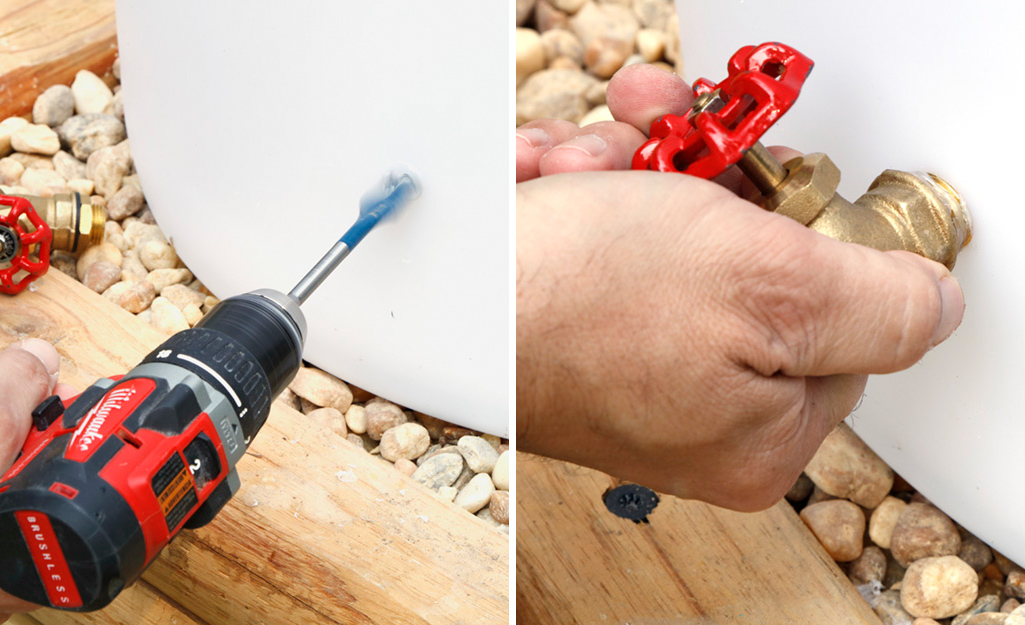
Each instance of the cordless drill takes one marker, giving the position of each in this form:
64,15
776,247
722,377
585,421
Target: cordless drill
103,483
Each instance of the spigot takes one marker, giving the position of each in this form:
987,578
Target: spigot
31,227
917,212
76,224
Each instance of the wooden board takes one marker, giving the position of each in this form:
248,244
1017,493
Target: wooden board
576,562
45,42
141,605
320,532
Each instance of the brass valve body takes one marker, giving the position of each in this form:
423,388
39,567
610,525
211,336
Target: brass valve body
919,213
76,225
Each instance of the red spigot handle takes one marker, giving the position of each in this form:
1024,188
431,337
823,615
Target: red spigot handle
762,84
24,248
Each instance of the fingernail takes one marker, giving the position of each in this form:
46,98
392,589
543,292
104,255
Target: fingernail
592,145
45,353
953,309
534,137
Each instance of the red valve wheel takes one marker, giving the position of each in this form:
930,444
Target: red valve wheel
24,244
730,117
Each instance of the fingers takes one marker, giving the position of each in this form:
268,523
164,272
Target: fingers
10,605
602,146
636,96
783,153
546,147
534,139
28,372
827,307
640,94
65,391
28,375
45,352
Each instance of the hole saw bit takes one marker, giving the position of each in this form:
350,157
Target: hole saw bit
107,479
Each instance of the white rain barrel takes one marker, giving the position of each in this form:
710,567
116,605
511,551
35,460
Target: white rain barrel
257,126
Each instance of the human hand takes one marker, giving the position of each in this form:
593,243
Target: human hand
28,375
637,95
671,333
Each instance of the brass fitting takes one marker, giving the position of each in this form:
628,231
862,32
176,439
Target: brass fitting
75,224
919,213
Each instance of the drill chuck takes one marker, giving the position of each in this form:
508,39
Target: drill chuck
249,347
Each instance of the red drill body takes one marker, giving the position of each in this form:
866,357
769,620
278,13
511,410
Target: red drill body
103,484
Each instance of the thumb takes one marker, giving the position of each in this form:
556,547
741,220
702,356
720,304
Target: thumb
870,311
28,370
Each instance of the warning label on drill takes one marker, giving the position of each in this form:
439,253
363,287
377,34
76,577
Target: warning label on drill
175,491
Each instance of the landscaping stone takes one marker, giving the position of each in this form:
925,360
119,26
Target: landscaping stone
884,519
499,506
54,106
322,389
938,587
476,493
479,455
382,415
85,134
838,525
407,441
356,418
500,474
329,419
845,467
90,93
923,531
36,139
440,470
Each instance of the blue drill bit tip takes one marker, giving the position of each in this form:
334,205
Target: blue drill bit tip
385,199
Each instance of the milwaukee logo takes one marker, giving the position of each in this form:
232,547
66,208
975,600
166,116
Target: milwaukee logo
91,429
106,416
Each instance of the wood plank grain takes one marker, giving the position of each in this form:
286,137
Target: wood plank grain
321,531
46,42
576,562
